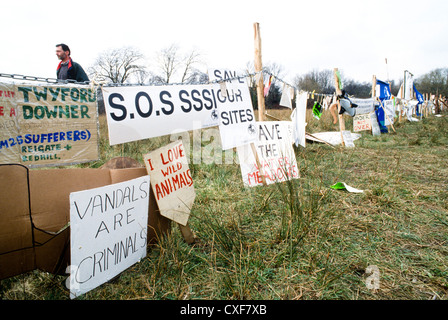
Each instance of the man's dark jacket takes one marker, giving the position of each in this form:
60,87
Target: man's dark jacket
74,72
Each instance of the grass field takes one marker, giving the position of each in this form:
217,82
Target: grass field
299,239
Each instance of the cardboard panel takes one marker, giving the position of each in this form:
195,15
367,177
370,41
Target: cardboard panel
16,238
32,234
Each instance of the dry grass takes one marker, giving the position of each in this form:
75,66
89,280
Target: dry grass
301,239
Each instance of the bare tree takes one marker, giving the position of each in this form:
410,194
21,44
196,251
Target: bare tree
190,60
320,81
172,62
118,65
435,82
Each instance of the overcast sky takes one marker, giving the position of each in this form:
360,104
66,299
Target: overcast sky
354,36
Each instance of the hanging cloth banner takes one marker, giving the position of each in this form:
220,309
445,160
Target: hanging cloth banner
382,93
364,106
267,87
317,110
409,84
420,100
42,125
298,118
286,98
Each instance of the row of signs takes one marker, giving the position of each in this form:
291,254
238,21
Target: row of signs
109,224
42,125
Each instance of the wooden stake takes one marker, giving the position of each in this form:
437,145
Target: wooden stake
257,160
340,116
187,234
260,92
258,68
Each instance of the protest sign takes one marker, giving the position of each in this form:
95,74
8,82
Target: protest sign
362,122
389,109
108,232
364,105
237,124
141,112
276,158
220,74
171,181
236,120
48,124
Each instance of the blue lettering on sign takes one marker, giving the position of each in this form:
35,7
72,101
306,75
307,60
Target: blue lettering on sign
75,135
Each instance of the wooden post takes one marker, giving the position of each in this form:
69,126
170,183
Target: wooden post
258,68
340,116
260,93
187,234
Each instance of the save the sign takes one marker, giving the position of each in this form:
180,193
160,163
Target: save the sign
276,157
171,181
236,120
108,232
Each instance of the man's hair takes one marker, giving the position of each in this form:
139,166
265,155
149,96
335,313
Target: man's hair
64,47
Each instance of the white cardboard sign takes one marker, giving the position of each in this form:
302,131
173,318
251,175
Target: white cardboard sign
236,119
275,153
108,232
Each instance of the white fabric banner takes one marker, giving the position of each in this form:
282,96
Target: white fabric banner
298,118
141,112
365,106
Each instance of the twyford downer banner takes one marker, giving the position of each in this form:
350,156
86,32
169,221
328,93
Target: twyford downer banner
108,232
276,158
47,124
171,181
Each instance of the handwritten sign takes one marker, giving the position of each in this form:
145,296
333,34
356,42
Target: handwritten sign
276,157
108,232
171,181
236,119
362,122
48,125
389,109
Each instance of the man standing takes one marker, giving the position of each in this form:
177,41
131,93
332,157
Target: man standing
67,68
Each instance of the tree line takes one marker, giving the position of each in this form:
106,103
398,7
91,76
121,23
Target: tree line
173,65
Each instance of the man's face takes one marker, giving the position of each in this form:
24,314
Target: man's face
62,55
